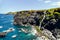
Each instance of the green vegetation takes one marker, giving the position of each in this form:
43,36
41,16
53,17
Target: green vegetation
13,13
41,19
53,13
37,28
50,12
40,31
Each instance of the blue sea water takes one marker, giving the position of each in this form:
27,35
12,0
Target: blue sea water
6,21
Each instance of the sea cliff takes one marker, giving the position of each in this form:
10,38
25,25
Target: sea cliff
44,19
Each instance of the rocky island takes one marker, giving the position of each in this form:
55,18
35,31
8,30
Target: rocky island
45,22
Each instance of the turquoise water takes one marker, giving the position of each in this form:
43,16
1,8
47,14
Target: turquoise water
6,21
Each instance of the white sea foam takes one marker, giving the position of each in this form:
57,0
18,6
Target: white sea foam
1,26
12,29
14,36
24,30
5,31
19,31
9,30
33,31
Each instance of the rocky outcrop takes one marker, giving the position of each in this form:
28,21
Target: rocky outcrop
26,17
3,34
51,21
33,17
11,13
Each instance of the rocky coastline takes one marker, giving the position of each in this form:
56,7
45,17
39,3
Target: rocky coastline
50,23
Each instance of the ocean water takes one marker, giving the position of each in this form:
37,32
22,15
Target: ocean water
6,22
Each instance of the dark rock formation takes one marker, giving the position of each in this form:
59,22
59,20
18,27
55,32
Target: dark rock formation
3,34
51,22
27,17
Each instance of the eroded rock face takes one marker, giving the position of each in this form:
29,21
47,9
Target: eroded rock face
27,18
51,21
34,18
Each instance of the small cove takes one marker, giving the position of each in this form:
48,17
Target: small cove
6,22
